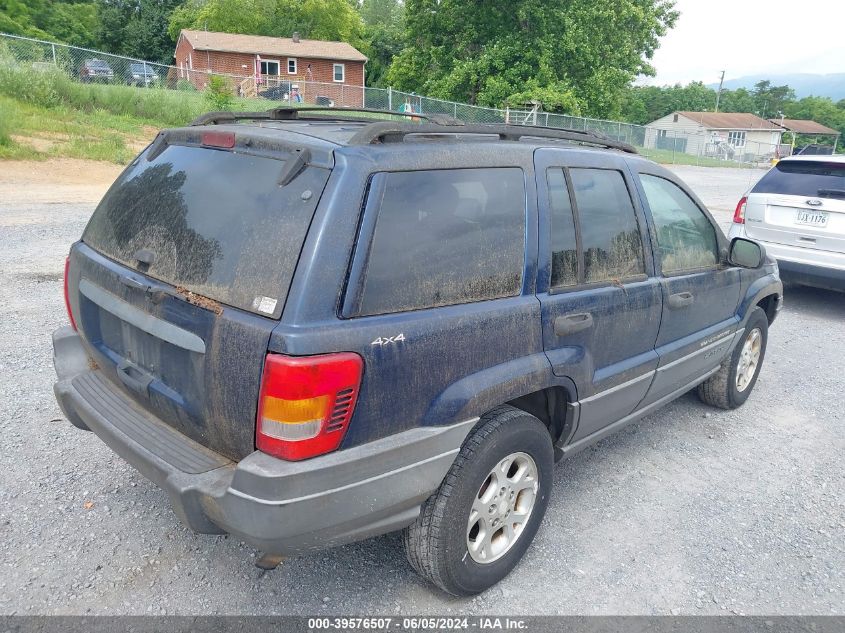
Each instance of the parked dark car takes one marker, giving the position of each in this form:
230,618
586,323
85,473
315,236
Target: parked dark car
279,91
95,70
142,75
365,326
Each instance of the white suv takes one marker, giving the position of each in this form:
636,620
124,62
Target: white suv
797,210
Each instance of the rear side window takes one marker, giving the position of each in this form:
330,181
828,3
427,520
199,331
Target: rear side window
610,235
563,237
443,237
217,223
814,179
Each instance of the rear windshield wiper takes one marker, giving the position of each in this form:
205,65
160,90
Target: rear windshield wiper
832,193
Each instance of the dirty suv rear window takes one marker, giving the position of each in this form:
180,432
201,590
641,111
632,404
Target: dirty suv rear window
815,179
217,223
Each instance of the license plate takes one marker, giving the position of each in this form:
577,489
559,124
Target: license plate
812,218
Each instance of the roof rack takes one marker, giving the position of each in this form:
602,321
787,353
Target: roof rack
392,132
293,114
435,125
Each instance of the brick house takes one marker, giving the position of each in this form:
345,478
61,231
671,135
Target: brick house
277,67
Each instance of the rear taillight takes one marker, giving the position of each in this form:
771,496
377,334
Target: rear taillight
305,403
67,296
739,212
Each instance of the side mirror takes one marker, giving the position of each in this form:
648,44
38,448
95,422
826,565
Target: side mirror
746,253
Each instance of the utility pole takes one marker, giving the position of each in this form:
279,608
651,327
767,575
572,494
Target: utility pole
719,92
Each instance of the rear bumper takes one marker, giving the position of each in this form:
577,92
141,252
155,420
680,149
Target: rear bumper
277,506
803,265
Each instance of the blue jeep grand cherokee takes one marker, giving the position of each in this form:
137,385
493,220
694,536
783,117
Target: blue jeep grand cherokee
311,328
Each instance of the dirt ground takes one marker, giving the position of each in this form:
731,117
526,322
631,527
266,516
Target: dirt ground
55,181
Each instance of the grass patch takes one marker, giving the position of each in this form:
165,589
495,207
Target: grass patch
111,148
7,124
9,148
158,107
667,157
36,132
52,115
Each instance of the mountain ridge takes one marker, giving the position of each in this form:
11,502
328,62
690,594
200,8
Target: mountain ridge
805,84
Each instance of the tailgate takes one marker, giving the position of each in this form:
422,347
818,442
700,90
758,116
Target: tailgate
181,276
800,202
796,221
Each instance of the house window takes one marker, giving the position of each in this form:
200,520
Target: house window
291,65
737,139
269,68
339,72
675,119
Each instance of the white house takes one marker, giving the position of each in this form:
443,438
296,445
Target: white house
738,135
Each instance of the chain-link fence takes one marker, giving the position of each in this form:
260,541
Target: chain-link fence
661,142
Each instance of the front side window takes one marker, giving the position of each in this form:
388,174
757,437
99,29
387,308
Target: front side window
339,72
443,237
686,239
610,235
737,139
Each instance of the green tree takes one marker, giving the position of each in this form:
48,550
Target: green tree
74,22
228,16
644,104
315,19
822,110
335,20
137,28
384,37
576,54
770,100
739,100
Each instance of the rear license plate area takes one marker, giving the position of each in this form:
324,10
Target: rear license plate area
811,218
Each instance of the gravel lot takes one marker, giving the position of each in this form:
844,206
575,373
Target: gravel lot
691,511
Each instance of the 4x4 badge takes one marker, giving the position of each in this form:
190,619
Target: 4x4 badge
386,340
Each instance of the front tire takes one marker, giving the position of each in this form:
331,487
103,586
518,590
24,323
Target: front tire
730,387
474,530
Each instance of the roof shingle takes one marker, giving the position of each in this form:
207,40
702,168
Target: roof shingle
804,126
263,45
730,120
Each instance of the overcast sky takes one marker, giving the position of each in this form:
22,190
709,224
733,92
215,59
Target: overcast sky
745,37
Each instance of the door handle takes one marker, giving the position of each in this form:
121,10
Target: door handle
134,378
572,323
681,300
155,293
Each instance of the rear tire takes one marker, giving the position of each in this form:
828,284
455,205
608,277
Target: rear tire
474,530
730,387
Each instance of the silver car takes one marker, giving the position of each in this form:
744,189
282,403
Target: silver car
797,210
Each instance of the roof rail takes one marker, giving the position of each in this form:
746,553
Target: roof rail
392,132
380,131
293,114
